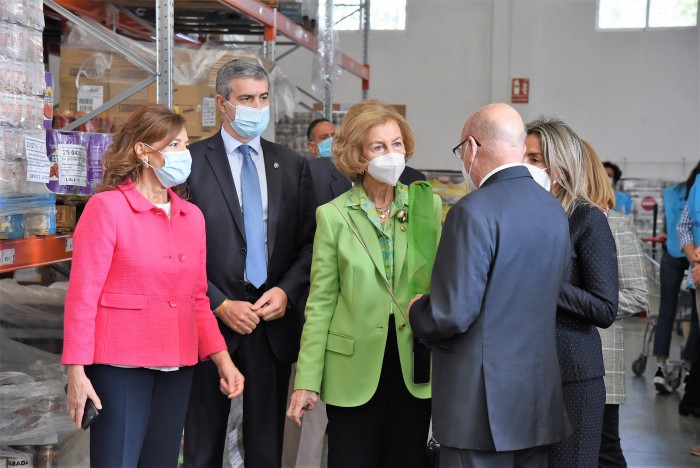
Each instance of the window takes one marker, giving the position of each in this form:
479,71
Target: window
642,14
388,15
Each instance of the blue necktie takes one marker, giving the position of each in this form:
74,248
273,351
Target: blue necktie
255,261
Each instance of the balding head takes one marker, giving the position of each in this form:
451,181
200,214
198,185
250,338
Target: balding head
500,132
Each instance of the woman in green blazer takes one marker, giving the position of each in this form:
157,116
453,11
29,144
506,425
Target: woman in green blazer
357,346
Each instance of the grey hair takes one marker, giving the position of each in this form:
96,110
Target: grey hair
238,68
563,155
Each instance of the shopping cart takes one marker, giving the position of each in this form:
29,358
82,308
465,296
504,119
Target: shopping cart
654,295
653,292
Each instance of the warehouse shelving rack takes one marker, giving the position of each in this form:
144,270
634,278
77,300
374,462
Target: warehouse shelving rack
44,250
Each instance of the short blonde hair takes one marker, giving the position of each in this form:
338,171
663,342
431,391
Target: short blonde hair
348,143
597,187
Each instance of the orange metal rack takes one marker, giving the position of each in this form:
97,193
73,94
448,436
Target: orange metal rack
35,251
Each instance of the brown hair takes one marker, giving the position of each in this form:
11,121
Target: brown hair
148,124
596,185
348,143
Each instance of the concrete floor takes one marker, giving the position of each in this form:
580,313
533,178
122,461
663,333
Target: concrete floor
653,433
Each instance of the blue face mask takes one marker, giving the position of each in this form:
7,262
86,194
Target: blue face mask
325,148
176,169
250,121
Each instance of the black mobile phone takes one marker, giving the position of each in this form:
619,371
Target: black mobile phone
90,412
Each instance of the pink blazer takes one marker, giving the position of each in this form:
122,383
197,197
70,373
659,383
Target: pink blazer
137,288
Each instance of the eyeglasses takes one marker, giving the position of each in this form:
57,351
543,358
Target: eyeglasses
457,150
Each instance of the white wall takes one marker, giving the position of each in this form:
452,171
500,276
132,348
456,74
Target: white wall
634,96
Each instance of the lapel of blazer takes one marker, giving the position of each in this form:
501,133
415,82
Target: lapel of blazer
273,173
400,248
369,235
218,160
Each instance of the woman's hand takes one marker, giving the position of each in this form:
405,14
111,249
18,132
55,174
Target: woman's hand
78,391
231,382
301,401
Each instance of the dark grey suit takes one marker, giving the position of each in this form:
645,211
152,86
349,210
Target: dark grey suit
264,356
329,182
490,318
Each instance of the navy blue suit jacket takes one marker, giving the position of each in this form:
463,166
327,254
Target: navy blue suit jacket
290,230
490,317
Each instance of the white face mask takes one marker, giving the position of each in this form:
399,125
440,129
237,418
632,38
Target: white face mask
387,168
612,181
468,176
540,176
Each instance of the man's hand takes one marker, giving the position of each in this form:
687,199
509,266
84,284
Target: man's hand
301,401
410,304
239,316
272,305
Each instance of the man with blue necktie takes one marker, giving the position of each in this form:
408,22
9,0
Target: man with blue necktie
258,203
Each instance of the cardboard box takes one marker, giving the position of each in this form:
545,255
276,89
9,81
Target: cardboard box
191,102
65,218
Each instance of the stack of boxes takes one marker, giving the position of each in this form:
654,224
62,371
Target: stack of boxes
26,206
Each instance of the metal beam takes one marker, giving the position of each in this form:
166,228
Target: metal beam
165,44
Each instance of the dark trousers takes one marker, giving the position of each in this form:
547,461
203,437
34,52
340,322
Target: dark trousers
692,384
671,276
610,450
585,404
142,416
535,457
390,430
264,406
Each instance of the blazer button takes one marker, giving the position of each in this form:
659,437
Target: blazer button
173,304
181,257
243,250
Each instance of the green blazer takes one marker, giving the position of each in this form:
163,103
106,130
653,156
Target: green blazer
347,313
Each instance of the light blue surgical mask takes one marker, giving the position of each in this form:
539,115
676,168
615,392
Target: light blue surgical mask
250,121
325,148
176,168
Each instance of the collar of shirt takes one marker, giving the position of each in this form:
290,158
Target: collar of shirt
231,144
499,168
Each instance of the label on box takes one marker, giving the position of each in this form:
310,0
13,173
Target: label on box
90,98
72,159
38,165
69,244
208,112
8,256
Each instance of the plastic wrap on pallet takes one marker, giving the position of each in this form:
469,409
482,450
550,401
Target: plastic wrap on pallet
326,64
24,215
191,65
285,95
32,400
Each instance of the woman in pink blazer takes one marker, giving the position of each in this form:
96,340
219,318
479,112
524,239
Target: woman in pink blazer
137,317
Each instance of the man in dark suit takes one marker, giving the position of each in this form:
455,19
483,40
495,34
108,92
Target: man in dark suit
501,262
329,182
258,204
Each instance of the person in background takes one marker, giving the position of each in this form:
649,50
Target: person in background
320,138
490,314
258,203
632,299
623,202
357,349
689,238
137,317
674,264
589,298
